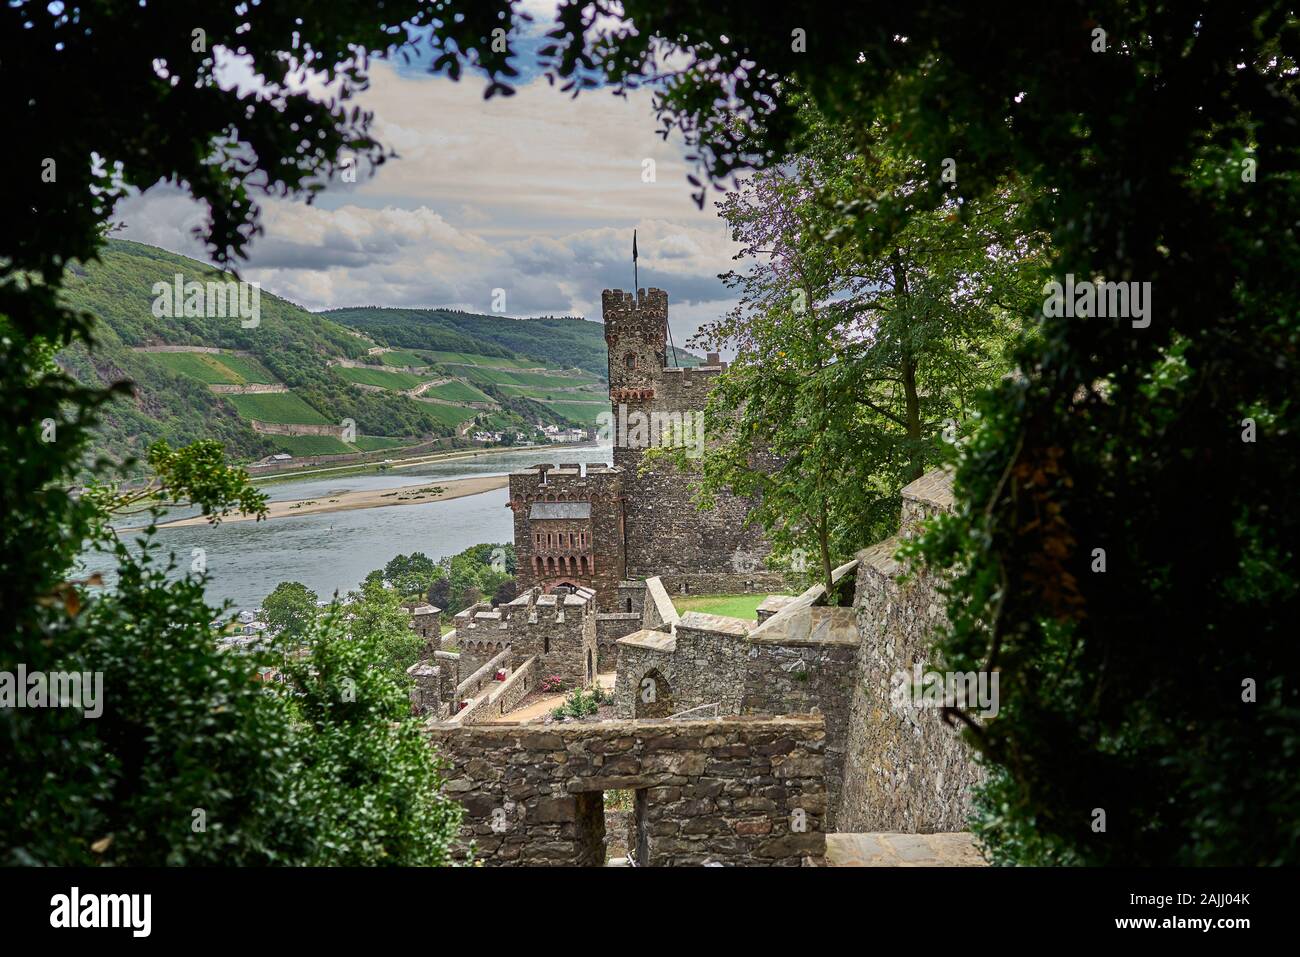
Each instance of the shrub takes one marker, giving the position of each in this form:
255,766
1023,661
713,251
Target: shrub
553,684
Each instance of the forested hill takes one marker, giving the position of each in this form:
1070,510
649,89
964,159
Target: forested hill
554,340
300,372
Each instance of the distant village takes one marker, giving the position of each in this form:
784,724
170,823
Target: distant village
552,433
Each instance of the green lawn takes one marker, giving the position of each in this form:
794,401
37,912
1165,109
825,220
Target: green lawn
583,413
283,408
401,357
448,414
396,381
311,444
733,606
457,392
373,443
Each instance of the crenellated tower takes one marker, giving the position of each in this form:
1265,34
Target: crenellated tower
636,332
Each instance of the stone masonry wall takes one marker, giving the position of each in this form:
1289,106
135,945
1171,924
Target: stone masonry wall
740,791
905,770
702,663
798,677
559,630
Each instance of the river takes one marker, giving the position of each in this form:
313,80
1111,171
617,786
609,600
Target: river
333,551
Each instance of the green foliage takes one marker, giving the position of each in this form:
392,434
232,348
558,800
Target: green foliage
128,780
411,574
453,583
1120,690
291,610
368,778
560,342
190,761
183,730
197,473
477,572
580,703
848,367
375,614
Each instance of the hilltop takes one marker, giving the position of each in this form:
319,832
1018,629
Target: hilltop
293,382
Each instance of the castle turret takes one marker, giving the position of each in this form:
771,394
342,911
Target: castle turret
636,332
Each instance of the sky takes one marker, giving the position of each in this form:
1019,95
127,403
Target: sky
536,194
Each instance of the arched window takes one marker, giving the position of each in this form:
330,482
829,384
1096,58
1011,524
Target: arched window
630,360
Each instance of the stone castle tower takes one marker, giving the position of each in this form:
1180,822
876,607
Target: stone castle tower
664,533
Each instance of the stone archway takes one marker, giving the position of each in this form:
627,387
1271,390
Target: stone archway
654,695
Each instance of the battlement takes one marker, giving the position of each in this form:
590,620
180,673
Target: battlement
565,483
534,607
636,332
645,300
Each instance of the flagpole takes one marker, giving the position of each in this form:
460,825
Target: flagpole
636,280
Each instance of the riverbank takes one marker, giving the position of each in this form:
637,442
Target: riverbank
437,458
428,491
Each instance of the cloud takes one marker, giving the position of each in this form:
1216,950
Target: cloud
536,194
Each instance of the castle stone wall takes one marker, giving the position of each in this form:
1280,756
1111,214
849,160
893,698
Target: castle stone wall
783,675
702,663
558,630
739,792
906,770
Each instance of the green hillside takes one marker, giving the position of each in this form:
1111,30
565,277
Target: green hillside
289,347
557,342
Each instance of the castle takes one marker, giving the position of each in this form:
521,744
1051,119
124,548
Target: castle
777,741
609,528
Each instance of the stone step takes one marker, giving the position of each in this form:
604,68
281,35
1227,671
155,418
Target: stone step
887,849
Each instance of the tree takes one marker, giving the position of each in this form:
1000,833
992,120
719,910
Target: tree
368,777
290,609
507,591
375,615
182,126
440,593
411,574
848,370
